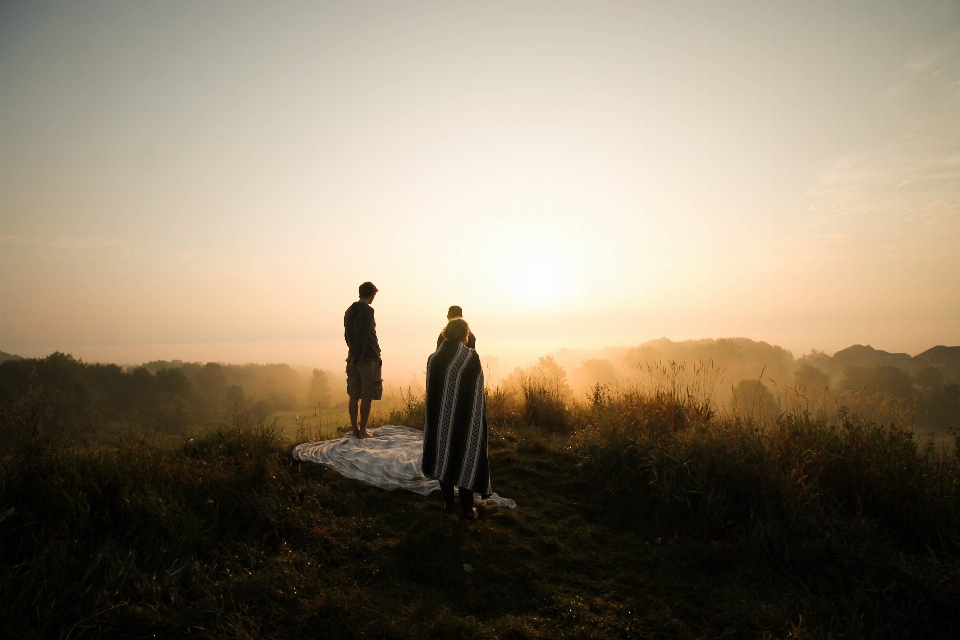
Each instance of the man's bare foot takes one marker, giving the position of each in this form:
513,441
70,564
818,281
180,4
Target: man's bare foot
363,433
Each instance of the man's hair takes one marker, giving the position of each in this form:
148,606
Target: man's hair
454,312
367,289
457,329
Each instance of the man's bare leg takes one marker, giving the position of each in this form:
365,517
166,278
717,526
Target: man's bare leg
364,416
354,408
359,409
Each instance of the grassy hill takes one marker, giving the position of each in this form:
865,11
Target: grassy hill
640,514
4,356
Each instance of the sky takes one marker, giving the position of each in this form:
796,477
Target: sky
211,181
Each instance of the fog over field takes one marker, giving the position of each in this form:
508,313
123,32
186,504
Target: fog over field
738,376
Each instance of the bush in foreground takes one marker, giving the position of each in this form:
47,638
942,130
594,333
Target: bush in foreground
134,535
798,474
843,527
856,509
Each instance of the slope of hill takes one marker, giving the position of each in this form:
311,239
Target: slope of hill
867,356
939,356
648,518
945,360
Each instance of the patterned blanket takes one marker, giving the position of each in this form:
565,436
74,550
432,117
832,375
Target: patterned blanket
455,424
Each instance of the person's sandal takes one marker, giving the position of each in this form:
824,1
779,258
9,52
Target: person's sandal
470,516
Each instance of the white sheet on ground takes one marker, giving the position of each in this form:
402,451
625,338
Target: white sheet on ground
389,460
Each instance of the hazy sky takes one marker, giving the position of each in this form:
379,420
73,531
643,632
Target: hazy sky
212,180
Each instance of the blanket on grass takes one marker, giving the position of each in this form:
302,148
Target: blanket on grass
389,460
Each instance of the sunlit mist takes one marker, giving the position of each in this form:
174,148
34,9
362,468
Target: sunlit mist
211,181
537,266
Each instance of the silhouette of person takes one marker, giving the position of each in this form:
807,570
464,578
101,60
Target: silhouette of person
457,312
364,377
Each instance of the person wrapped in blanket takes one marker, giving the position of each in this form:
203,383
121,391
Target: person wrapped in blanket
455,421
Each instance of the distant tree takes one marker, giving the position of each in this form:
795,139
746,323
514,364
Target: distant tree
929,378
890,381
546,374
544,391
739,358
236,399
4,356
144,392
281,401
951,374
174,406
115,397
173,382
939,407
62,379
157,365
811,377
318,389
639,356
593,372
210,387
553,376
279,384
82,396
752,399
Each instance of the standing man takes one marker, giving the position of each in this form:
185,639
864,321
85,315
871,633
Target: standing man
456,312
364,380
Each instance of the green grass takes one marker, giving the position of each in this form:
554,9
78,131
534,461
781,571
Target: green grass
302,425
224,535
404,407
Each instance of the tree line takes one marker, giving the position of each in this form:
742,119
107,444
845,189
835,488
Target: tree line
162,396
755,372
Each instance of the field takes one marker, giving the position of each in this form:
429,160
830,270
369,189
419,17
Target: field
641,513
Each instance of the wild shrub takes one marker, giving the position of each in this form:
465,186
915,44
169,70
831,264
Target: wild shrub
88,532
410,410
543,405
787,485
504,408
847,522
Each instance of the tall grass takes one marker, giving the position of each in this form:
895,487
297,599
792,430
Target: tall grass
177,534
851,503
407,410
824,405
834,489
669,440
543,405
132,536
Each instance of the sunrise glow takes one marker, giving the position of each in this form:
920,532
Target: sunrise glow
214,185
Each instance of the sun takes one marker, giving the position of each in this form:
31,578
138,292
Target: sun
539,276
535,266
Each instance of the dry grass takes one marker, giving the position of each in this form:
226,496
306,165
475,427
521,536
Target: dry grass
829,526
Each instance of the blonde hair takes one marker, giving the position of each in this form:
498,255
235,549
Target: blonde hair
457,329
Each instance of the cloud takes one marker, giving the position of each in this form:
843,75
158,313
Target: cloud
904,186
19,239
925,59
64,241
88,242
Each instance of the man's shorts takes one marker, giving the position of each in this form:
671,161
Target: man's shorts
365,381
